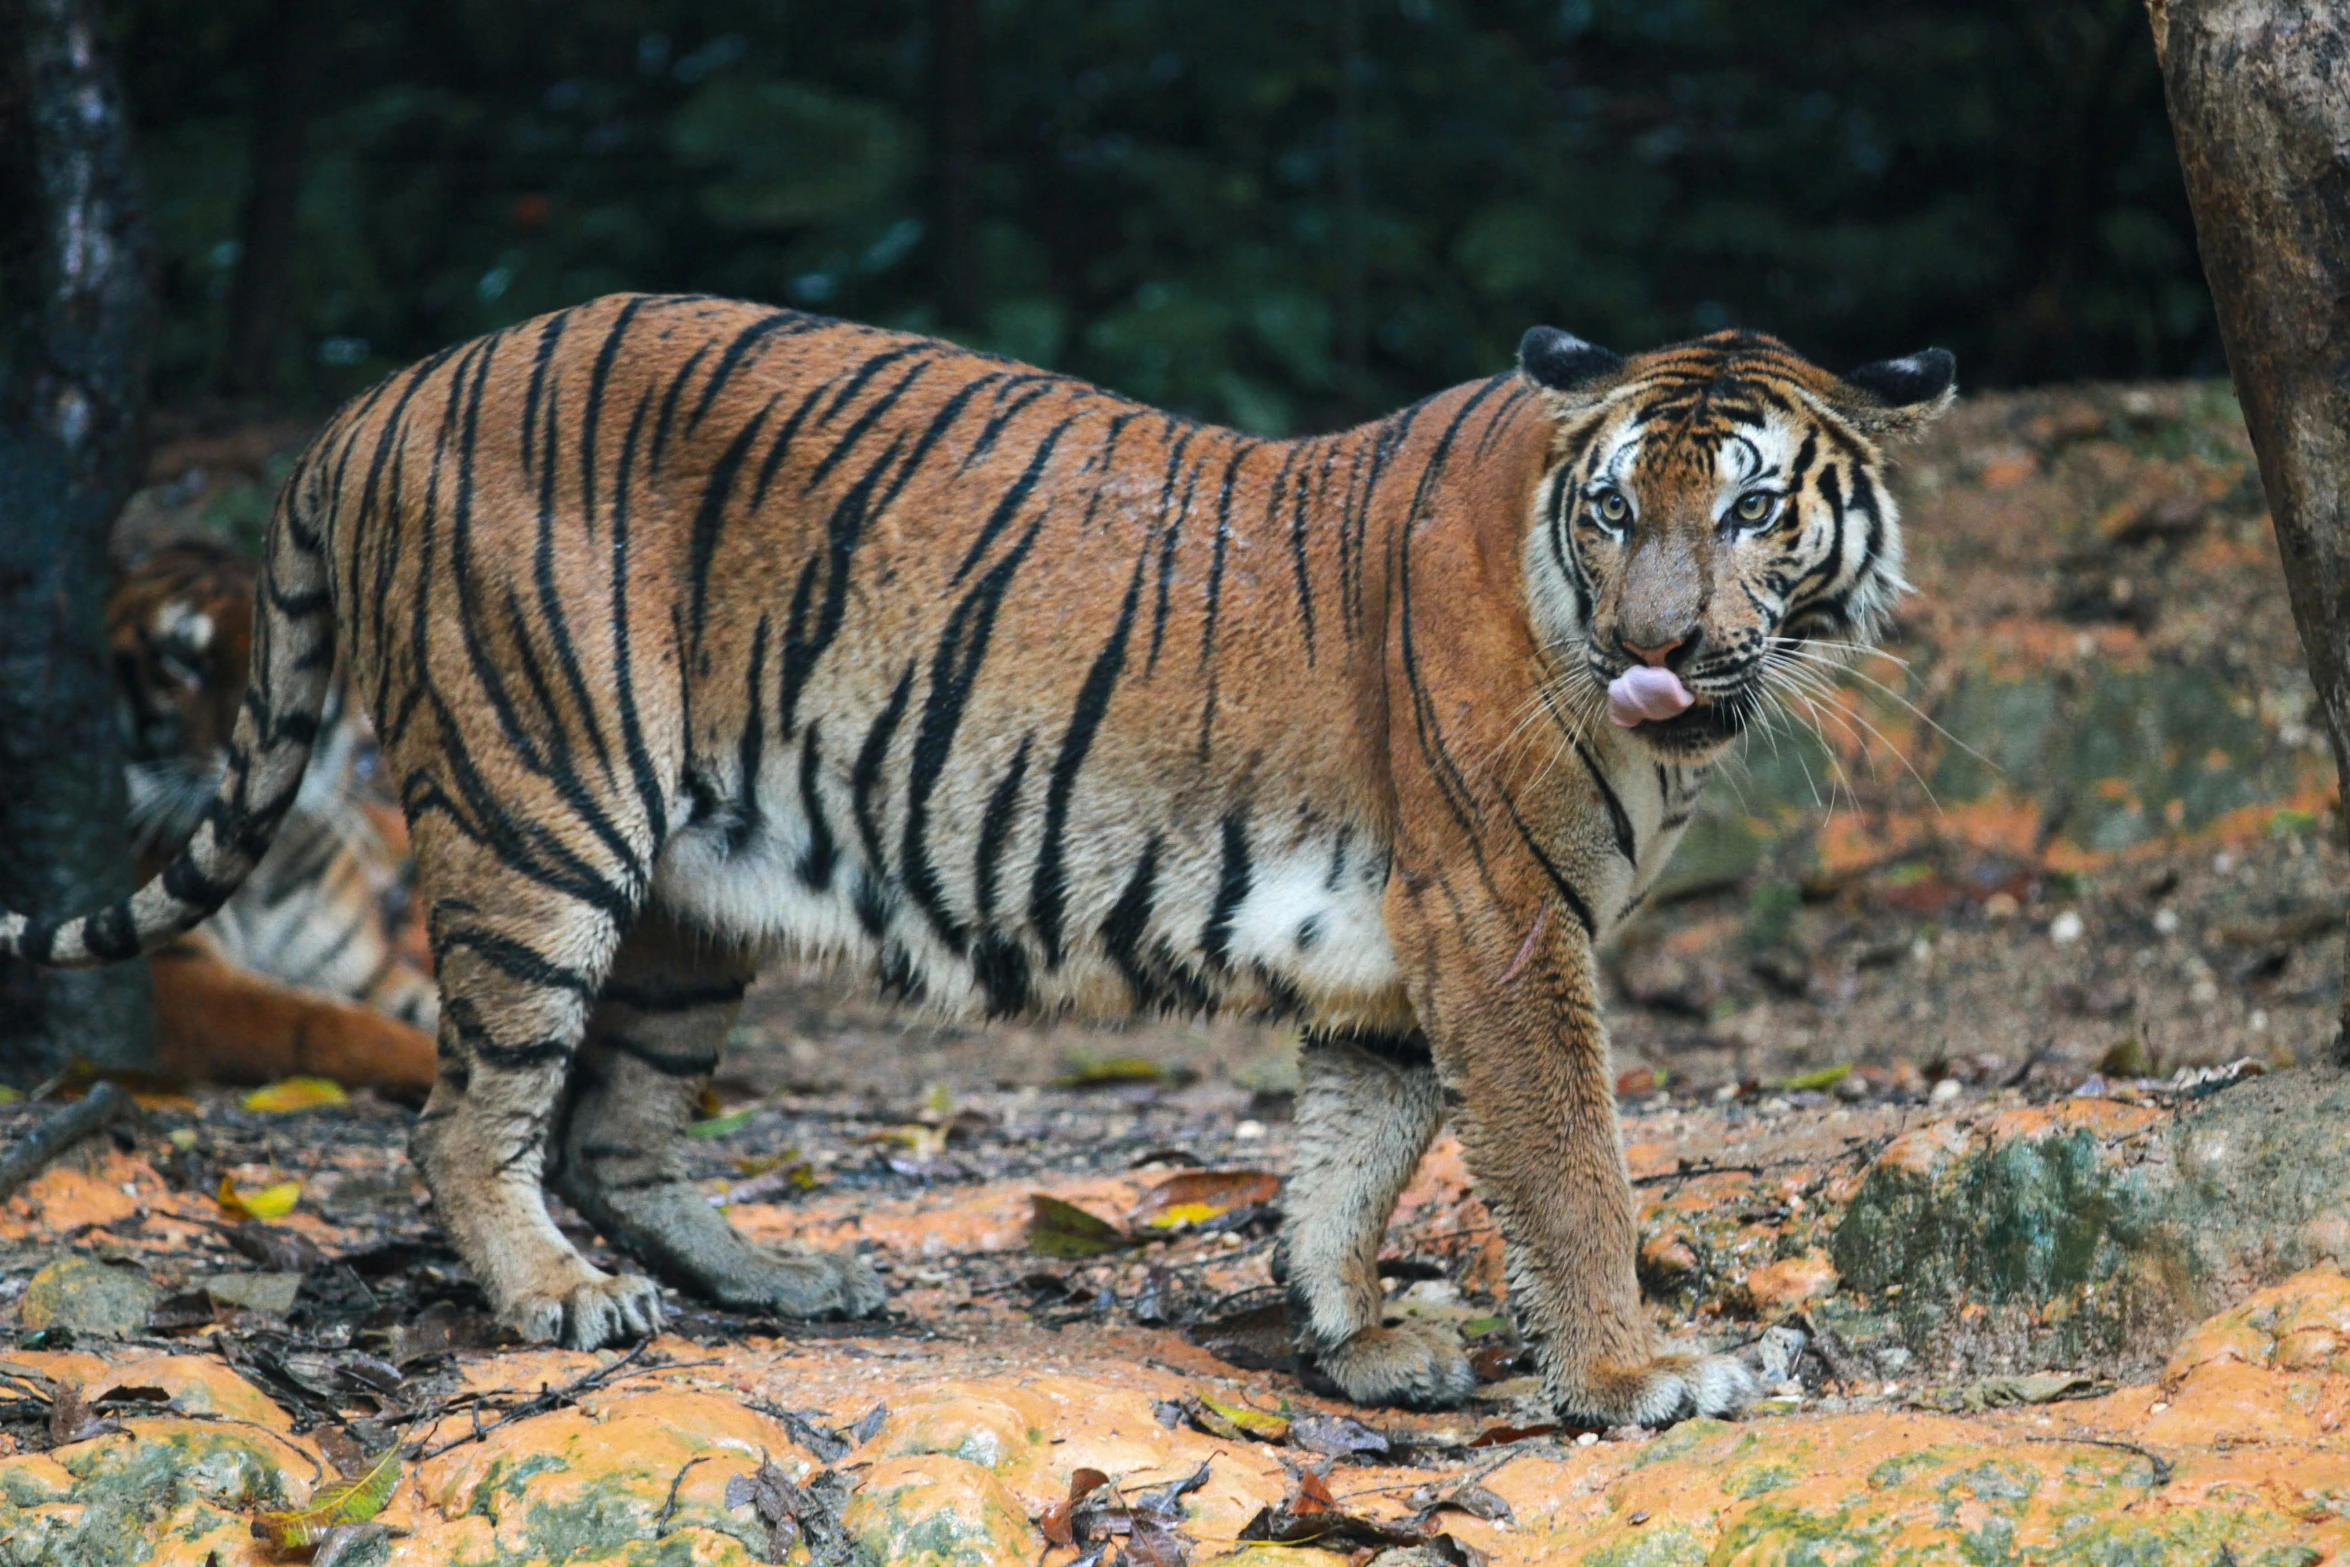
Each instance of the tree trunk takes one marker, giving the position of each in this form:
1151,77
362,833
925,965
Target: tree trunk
2259,96
76,328
954,160
259,305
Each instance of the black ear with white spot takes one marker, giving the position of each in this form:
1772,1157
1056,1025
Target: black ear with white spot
1560,361
1901,396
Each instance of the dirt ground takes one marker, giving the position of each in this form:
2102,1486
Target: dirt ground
2077,838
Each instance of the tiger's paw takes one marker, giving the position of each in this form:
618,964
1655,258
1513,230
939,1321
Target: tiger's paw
1413,1365
806,1284
589,1313
1667,1389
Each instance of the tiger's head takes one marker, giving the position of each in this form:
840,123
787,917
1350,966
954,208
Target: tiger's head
1711,517
179,628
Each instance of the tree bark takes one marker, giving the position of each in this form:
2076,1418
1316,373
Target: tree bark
76,330
954,160
260,301
2259,95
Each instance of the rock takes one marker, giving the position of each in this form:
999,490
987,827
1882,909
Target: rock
936,1511
2084,1235
1777,1288
86,1296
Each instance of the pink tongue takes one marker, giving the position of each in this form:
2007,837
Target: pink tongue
1644,692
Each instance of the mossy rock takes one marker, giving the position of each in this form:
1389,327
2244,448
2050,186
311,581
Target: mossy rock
2087,1246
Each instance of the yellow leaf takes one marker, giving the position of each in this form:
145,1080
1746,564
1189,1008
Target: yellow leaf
296,1093
9,1096
1231,1421
1196,1196
270,1202
346,1501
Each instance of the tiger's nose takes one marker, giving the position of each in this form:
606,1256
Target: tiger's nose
1663,654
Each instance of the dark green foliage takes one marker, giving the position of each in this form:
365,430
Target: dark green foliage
1160,195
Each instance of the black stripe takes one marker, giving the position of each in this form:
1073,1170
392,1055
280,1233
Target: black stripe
1048,891
816,861
1009,506
666,996
1627,843
954,670
865,778
723,371
995,829
710,517
1231,891
750,751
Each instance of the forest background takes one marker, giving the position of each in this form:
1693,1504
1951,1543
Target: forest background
1284,215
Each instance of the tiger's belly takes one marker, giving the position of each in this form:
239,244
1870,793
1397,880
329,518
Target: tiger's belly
1157,920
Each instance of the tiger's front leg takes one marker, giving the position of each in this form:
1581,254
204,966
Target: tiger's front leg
1367,1107
1524,1059
652,1043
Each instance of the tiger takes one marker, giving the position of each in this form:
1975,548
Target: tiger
694,630
303,970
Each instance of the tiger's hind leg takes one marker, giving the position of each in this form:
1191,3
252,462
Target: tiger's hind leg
518,961
653,1041
1366,1112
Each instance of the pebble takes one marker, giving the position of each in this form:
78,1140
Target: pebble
2066,928
1945,1091
1249,1131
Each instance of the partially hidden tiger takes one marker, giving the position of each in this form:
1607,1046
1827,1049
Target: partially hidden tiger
304,970
695,630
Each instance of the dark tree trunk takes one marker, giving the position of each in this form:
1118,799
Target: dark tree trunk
954,159
76,326
2259,96
259,305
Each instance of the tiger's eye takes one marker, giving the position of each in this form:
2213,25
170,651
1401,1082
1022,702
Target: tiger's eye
1755,505
1613,508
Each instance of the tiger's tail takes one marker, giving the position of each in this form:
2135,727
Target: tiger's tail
293,667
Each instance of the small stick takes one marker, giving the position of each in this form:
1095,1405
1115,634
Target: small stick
102,1105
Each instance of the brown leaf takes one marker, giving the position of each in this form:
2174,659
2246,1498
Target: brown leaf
1198,1197
1055,1524
1066,1231
1335,1436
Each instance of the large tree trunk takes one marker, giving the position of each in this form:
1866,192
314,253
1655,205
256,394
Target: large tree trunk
2260,102
76,326
260,303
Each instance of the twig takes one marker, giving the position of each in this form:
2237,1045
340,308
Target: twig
2160,1465
547,1398
669,1508
104,1103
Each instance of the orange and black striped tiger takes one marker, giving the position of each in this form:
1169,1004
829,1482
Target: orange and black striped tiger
303,970
694,628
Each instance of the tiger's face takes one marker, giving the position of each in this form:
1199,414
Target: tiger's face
1712,513
179,626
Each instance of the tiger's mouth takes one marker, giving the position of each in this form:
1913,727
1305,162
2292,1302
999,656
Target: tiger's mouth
1668,717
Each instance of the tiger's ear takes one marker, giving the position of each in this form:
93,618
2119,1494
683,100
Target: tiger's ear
1900,397
1563,363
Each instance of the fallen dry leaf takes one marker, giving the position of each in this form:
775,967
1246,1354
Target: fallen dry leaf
296,1093
1197,1196
1234,1421
266,1203
1064,1230
354,1500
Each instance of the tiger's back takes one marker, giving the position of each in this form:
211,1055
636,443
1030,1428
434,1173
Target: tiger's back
1031,698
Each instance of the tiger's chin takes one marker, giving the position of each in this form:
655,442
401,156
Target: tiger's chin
1698,733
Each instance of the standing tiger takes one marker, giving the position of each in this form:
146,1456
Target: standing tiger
302,971
695,628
